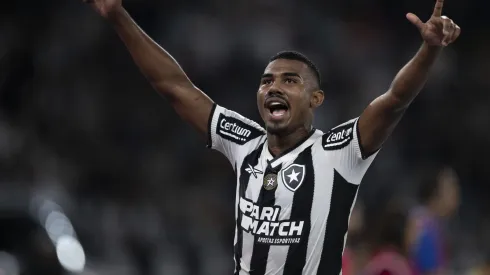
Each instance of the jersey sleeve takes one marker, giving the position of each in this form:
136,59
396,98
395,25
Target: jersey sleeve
232,134
343,141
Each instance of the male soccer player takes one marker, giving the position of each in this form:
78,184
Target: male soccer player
295,184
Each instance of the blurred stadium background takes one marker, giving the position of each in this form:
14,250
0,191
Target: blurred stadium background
90,155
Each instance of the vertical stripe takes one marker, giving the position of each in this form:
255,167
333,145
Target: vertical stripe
301,210
284,199
237,206
260,254
343,196
253,160
319,209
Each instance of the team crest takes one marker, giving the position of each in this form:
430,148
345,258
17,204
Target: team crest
293,176
270,181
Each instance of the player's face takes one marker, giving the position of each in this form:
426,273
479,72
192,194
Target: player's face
285,99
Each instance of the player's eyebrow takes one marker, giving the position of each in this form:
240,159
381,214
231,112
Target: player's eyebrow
268,75
292,75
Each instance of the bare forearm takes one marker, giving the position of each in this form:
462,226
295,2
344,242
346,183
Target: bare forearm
163,72
412,77
158,66
379,119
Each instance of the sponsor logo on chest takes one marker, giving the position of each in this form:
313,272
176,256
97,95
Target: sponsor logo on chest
264,223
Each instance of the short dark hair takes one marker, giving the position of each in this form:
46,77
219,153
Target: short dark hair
293,55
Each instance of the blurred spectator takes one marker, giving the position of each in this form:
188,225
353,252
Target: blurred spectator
392,238
354,256
439,200
483,268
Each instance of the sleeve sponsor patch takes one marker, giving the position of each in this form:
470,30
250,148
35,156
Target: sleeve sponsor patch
338,137
236,130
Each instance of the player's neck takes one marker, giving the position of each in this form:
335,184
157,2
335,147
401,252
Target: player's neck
280,143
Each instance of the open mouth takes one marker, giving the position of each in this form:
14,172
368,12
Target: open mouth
277,108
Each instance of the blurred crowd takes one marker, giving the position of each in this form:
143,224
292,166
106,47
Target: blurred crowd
408,239
80,126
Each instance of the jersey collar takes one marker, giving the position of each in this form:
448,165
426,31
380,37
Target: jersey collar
292,152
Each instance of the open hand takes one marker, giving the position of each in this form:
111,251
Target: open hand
439,30
104,7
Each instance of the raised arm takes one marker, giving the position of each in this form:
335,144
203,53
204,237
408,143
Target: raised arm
158,66
379,119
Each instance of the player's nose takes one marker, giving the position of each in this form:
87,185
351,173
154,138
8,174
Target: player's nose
275,87
274,91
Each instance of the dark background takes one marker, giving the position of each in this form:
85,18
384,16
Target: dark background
80,126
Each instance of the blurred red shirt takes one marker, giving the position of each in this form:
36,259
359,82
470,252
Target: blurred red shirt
347,262
388,262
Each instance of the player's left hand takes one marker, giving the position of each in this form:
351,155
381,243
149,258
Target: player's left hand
439,30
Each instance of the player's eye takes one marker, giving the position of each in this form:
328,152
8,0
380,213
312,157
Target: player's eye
290,80
266,81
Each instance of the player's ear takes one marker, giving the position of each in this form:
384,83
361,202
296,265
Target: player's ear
317,98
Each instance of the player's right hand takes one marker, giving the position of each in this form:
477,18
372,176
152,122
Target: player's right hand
105,7
439,30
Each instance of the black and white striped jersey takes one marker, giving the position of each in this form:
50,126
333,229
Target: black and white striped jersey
292,210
